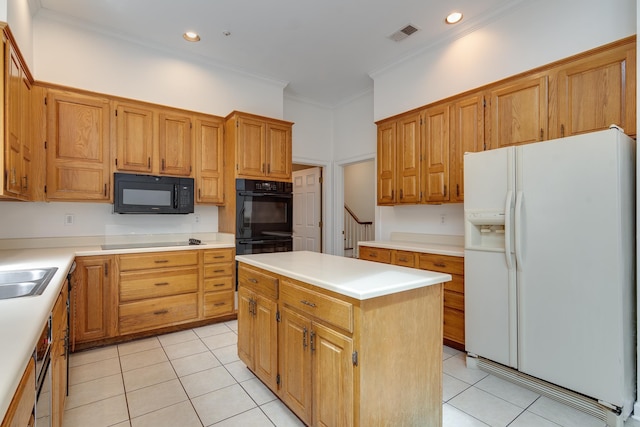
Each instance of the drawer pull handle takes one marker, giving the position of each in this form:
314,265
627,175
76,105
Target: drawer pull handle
373,255
162,284
309,303
161,261
219,256
439,264
252,280
218,271
403,259
218,304
217,285
159,312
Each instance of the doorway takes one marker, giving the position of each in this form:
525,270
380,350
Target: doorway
307,208
359,205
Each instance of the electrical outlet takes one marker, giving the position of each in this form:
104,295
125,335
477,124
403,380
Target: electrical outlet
69,219
442,219
197,218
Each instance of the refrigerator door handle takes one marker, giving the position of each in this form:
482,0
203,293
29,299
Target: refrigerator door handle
507,229
518,228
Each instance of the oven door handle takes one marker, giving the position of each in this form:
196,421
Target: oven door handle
252,242
254,194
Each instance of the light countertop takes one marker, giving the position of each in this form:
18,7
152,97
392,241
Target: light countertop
425,243
347,276
22,319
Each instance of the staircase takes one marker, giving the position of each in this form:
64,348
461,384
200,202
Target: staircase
355,231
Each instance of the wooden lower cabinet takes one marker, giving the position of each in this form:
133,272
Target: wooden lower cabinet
453,301
59,358
346,362
21,408
258,326
219,282
92,300
157,289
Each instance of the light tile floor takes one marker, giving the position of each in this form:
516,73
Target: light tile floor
194,378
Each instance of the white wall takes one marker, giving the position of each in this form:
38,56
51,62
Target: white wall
360,189
96,219
18,16
73,56
536,33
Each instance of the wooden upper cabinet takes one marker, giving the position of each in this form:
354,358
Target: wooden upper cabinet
436,151
596,92
519,112
467,136
250,147
408,153
262,146
278,146
18,137
209,161
174,144
386,162
77,147
134,138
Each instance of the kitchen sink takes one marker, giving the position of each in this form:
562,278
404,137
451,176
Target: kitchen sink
22,283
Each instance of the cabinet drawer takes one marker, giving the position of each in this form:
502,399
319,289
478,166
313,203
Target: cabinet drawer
258,282
453,300
218,284
453,327
218,255
215,270
324,307
157,312
456,284
157,260
375,254
404,258
149,284
218,303
442,263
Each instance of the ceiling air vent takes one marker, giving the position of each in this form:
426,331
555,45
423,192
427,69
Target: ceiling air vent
403,33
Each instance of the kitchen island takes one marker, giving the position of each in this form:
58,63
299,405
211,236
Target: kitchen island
343,341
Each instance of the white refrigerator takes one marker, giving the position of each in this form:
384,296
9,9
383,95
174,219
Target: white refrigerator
549,263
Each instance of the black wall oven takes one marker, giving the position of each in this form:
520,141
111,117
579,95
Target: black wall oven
264,216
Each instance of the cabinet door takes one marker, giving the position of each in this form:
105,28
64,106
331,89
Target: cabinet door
20,410
519,113
134,138
467,136
14,133
245,326
598,91
266,341
386,163
250,148
174,144
333,383
78,147
408,154
209,161
436,148
92,299
278,151
295,363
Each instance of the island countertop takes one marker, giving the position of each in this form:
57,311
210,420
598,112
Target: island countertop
347,276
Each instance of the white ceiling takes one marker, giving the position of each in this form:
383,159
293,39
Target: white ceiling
324,49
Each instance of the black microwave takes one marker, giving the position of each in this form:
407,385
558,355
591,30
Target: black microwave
148,194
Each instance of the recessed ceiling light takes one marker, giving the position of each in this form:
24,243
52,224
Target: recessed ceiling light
453,18
191,36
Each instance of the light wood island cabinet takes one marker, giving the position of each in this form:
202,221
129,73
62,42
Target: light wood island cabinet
344,361
453,301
